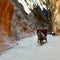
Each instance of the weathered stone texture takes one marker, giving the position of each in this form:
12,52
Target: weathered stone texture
6,11
55,9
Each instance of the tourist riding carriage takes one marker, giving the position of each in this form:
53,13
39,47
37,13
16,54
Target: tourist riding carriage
42,35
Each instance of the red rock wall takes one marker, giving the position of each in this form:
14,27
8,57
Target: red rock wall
6,11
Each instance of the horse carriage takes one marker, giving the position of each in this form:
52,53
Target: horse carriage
42,35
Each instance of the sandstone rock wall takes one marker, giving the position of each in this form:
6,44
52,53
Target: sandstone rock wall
7,41
55,9
6,11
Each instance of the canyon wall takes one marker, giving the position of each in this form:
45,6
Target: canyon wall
6,11
55,9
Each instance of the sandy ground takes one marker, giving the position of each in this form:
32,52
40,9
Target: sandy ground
6,42
29,49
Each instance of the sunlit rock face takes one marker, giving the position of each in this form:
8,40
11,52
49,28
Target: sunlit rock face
6,11
37,7
56,16
31,4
